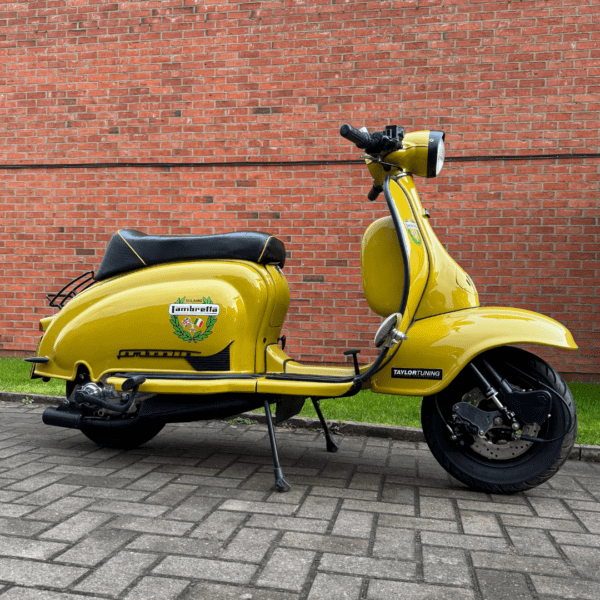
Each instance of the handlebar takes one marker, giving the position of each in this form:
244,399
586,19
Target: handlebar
376,143
361,139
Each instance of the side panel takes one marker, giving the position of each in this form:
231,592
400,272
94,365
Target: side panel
439,347
139,321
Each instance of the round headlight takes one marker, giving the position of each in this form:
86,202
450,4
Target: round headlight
436,153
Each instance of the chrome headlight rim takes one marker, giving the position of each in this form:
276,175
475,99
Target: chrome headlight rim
436,153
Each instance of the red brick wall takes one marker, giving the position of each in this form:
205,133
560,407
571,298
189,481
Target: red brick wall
87,81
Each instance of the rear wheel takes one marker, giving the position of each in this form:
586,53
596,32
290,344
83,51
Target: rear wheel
497,463
124,437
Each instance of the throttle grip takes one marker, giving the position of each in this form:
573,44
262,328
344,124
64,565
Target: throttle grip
361,138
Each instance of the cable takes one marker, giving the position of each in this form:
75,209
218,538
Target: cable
281,163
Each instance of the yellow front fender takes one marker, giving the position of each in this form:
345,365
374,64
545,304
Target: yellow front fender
439,347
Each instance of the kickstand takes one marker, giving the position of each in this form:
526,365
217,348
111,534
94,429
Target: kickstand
331,445
280,483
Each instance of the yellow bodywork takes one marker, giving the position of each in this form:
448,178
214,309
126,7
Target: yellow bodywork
126,324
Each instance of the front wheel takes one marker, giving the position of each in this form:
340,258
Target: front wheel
496,463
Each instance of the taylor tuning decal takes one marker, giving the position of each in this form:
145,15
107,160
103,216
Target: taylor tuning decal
417,373
413,231
193,320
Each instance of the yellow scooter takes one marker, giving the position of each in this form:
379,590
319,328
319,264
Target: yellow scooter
174,329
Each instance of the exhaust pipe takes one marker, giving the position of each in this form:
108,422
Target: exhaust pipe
74,420
62,418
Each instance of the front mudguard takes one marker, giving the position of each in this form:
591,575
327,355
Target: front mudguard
439,347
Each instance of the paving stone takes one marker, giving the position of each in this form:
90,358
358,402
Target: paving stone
445,566
134,471
325,543
163,544
498,585
117,573
59,510
20,526
398,544
343,493
215,591
19,593
353,524
392,492
219,525
386,590
15,510
111,494
518,563
550,508
365,481
335,587
531,542
585,560
576,539
289,523
286,569
250,545
193,509
359,565
315,507
151,482
76,526
32,484
149,525
494,507
48,494
28,548
258,507
128,508
539,523
171,494
203,568
161,588
583,505
406,522
580,589
468,542
478,523
95,547
35,573
226,482
436,508
590,519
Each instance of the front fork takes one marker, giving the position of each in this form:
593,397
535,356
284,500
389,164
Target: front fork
519,408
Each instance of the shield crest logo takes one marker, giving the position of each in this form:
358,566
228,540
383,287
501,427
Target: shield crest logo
193,321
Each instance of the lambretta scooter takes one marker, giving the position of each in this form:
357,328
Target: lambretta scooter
176,329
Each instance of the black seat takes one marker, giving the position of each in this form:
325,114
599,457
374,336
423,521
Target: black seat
129,250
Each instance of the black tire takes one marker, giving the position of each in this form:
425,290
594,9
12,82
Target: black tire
521,466
124,438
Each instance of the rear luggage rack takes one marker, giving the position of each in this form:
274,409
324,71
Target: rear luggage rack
71,290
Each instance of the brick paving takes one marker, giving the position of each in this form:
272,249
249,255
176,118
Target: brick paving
192,515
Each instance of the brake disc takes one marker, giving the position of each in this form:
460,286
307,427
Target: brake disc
496,445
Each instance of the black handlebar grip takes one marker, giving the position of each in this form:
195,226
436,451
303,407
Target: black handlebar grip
375,191
361,138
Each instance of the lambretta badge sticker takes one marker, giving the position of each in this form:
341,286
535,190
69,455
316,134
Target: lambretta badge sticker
417,374
193,321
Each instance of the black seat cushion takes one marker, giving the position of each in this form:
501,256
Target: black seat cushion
129,250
